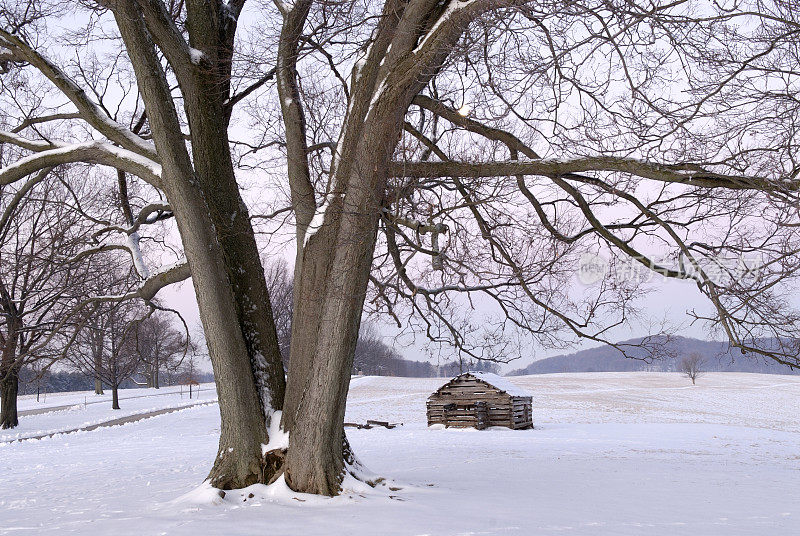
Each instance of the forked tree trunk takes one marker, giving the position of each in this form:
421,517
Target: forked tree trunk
324,342
333,273
243,429
9,388
336,259
204,104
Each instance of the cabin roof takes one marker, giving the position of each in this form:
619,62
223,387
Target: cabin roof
495,381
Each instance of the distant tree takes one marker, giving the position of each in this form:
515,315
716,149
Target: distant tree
280,286
40,232
189,372
32,381
692,366
160,346
373,356
104,338
456,367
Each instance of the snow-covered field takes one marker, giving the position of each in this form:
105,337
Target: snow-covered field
68,411
50,400
612,453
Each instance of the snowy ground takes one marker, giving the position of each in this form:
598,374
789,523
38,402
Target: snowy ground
67,411
612,453
50,400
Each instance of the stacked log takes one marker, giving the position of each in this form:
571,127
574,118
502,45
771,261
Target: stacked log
469,402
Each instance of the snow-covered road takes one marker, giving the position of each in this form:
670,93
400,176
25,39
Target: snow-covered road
612,453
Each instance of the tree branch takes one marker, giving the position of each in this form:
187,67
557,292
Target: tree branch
88,109
688,174
90,152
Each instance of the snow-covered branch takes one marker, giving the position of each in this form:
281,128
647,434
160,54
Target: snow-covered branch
19,141
93,152
163,278
148,214
88,109
30,121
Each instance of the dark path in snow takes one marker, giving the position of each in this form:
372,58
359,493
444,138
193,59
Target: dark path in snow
113,422
39,411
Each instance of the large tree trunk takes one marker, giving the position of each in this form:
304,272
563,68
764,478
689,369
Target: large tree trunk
98,386
9,387
336,264
334,275
208,123
231,219
243,429
315,460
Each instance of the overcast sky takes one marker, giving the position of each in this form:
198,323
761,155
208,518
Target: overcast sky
668,300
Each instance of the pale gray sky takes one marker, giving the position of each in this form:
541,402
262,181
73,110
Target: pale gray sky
668,301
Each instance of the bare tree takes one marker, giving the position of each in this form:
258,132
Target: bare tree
439,157
188,371
435,194
201,189
40,232
105,338
160,346
692,366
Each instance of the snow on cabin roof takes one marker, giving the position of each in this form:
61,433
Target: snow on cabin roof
498,381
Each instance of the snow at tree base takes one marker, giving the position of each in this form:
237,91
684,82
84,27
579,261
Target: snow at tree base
611,453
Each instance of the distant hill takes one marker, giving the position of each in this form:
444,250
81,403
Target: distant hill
718,358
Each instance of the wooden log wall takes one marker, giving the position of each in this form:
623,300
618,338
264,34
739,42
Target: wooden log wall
454,405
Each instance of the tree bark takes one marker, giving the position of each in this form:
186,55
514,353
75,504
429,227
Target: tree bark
114,381
206,92
243,429
336,264
336,259
9,387
98,386
231,220
9,371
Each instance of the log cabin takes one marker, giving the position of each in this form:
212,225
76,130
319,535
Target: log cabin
479,400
